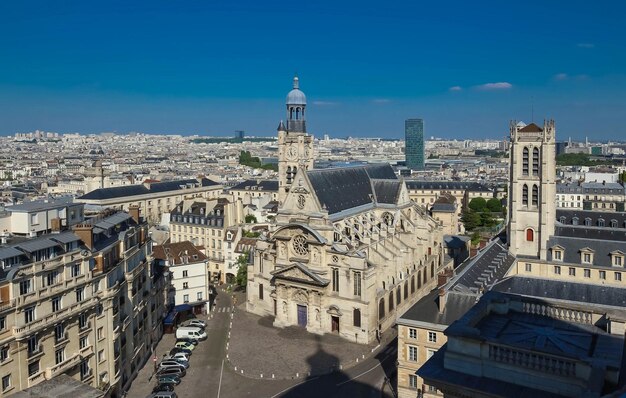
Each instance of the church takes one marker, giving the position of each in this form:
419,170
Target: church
348,249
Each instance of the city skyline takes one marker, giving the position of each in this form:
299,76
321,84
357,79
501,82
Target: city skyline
213,69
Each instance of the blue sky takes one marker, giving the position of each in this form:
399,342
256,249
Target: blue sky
212,67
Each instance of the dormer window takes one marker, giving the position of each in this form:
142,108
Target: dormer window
587,222
562,220
586,255
601,222
557,253
575,221
617,258
613,223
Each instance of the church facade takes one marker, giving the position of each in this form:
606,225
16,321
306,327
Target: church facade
348,250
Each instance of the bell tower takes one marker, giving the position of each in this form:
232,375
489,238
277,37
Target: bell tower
532,189
295,146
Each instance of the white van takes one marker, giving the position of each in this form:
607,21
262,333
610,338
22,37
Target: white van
190,332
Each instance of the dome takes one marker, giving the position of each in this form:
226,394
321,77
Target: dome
295,96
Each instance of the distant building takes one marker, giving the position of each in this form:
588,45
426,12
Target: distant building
414,143
425,193
41,216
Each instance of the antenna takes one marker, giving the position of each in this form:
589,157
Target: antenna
532,109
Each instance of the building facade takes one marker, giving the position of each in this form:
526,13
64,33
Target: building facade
532,189
414,143
85,302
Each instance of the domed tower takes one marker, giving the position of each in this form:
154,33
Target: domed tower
295,146
296,105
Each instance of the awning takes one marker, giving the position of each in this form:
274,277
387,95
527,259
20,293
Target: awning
183,308
170,319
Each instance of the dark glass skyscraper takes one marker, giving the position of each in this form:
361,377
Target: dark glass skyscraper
414,143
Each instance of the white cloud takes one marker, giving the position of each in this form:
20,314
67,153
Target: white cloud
381,101
586,45
325,103
561,76
455,88
495,86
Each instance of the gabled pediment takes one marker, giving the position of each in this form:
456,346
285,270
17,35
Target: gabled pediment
557,247
298,272
587,250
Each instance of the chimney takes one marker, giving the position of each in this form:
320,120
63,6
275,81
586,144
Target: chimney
442,300
134,213
56,224
85,233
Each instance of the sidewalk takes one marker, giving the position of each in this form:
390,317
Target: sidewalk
262,351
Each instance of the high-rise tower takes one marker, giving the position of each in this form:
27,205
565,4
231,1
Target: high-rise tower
414,143
532,189
295,146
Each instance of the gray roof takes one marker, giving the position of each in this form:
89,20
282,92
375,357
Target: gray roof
42,205
141,189
562,290
36,244
65,237
339,189
265,185
427,308
447,185
62,386
571,246
578,217
8,252
387,191
444,207
488,267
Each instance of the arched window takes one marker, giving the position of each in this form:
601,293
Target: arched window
413,284
587,222
601,222
530,235
575,221
536,161
525,195
391,301
398,295
297,113
406,290
381,308
291,113
432,269
525,161
613,223
419,279
535,195
356,316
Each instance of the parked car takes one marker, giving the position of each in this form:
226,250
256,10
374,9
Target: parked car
184,344
192,341
163,388
171,371
171,363
177,355
178,349
163,394
175,380
190,332
184,362
195,323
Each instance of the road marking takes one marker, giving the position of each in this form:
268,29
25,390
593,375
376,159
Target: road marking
295,385
364,373
219,387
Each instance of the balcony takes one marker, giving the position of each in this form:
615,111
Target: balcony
36,378
63,366
20,332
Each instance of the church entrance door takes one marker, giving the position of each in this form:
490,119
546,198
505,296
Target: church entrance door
302,318
335,323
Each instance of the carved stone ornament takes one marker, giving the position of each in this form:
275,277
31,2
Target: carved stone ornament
300,296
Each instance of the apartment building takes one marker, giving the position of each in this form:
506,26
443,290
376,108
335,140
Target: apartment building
204,223
189,276
604,196
153,198
425,193
40,216
84,302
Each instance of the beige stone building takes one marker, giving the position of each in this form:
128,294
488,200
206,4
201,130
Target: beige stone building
204,223
425,193
447,211
348,250
153,198
84,302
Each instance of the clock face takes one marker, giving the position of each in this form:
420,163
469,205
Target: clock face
292,152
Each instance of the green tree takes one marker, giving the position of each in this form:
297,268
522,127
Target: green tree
250,219
494,205
242,271
475,238
486,220
478,204
471,220
622,177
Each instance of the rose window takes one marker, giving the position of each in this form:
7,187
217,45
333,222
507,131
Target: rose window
300,245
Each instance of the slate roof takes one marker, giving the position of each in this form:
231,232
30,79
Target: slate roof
572,246
30,246
265,185
61,386
175,252
566,217
488,267
135,190
42,205
447,185
387,191
339,189
569,291
427,308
